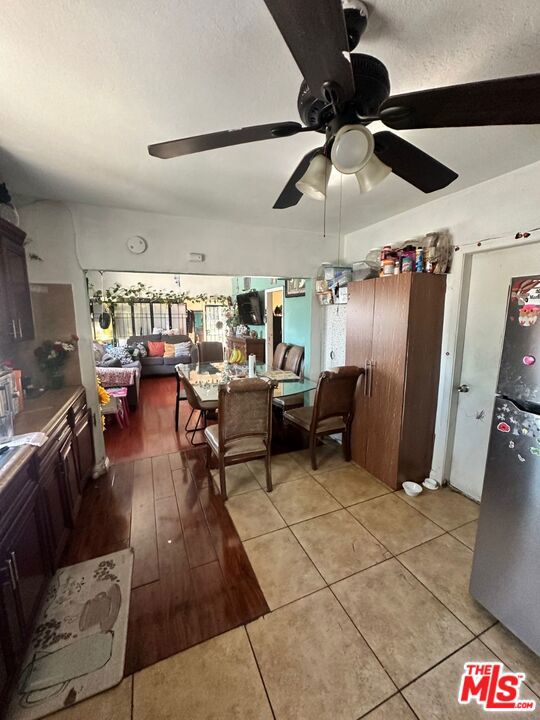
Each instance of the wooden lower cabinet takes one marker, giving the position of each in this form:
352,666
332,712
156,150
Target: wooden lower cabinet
247,346
24,551
57,506
37,513
70,471
84,441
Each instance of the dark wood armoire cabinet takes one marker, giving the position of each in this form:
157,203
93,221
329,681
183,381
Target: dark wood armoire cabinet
394,330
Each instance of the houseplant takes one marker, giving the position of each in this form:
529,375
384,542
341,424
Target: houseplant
52,356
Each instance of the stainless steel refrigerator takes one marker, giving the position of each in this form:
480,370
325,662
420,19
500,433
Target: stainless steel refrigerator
506,567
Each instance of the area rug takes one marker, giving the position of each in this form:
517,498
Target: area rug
79,642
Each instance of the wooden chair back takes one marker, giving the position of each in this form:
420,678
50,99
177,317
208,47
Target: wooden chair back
245,410
279,356
335,394
294,359
210,352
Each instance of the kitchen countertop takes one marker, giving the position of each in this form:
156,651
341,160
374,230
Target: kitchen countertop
39,415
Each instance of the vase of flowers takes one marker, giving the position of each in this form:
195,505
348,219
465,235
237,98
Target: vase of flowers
232,318
52,356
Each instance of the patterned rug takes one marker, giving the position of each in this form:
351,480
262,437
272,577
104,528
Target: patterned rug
79,643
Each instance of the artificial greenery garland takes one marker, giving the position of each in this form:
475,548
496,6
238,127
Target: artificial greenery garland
145,293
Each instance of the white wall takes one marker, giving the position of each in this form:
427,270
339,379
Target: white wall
497,208
50,228
230,249
74,238
505,204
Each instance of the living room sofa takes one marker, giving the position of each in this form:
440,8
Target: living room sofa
162,365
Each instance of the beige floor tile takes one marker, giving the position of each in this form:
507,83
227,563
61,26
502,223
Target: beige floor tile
253,514
395,523
283,569
338,545
394,709
113,704
314,662
284,468
515,654
444,566
328,456
351,484
302,499
217,679
408,629
435,695
239,478
447,508
467,533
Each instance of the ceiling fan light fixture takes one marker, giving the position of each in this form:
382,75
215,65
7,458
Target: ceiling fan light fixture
352,148
314,181
373,173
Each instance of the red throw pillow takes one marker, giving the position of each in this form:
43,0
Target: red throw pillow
156,349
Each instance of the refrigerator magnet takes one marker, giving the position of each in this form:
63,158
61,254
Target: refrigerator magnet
503,427
529,360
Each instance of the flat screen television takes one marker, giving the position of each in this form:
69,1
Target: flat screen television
250,308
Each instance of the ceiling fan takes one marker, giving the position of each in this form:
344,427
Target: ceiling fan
343,92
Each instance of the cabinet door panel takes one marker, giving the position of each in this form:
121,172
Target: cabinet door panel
390,327
57,509
11,631
85,448
359,350
71,477
30,564
11,639
19,301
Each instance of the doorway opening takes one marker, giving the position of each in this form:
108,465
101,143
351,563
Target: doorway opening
274,320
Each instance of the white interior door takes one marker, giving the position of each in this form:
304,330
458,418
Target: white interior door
491,273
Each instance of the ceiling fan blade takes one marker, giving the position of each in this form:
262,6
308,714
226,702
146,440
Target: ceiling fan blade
200,143
315,33
412,164
290,195
506,101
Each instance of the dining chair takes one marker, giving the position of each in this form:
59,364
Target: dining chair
210,352
332,410
196,405
244,428
294,359
279,355
294,362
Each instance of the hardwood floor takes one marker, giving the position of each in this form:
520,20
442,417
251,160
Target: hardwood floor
192,579
151,429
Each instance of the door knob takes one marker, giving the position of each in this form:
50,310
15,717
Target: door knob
463,388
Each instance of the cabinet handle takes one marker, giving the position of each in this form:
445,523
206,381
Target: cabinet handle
14,329
366,379
20,329
15,568
371,367
12,576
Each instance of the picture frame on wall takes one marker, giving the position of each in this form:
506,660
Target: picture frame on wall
295,287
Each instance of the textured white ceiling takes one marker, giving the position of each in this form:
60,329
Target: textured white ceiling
85,85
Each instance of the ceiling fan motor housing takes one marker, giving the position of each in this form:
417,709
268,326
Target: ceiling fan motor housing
372,88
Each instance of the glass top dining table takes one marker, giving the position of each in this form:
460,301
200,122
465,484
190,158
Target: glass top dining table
208,376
